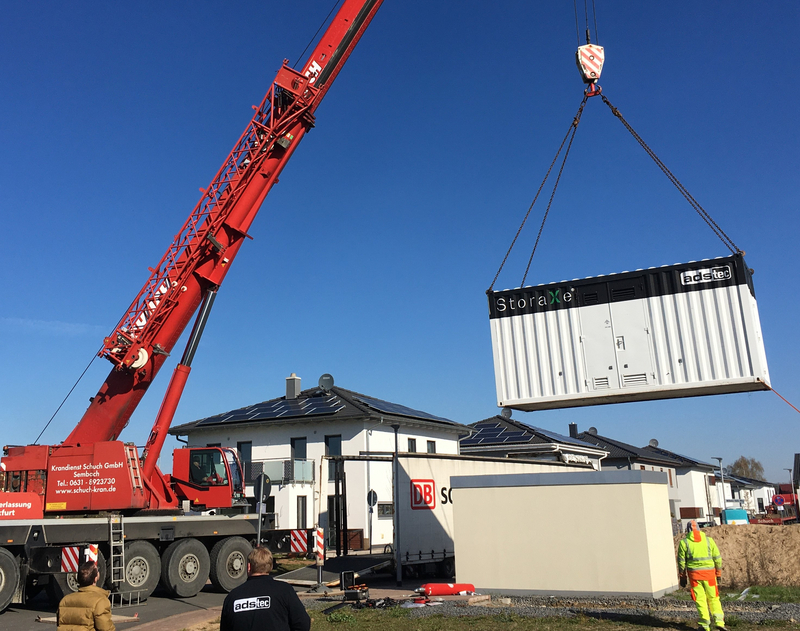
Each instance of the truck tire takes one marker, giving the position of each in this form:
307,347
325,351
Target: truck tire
65,583
9,578
185,565
229,563
141,572
446,568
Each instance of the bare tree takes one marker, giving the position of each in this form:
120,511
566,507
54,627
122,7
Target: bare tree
747,468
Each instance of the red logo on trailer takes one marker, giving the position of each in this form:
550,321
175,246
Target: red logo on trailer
423,494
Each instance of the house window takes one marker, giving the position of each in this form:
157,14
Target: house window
298,457
712,480
412,445
246,454
431,446
385,510
641,466
669,473
333,447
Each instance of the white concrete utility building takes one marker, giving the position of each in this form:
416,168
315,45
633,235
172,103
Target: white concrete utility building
289,438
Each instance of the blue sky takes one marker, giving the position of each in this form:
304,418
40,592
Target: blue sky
371,256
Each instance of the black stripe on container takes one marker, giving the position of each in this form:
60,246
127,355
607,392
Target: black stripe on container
661,281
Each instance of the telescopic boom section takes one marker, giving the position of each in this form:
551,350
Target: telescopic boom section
204,249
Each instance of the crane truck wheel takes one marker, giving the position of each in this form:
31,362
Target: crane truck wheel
185,566
141,572
229,563
9,578
65,583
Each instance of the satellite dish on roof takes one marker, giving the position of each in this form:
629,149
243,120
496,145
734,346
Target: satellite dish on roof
506,413
592,430
326,382
653,442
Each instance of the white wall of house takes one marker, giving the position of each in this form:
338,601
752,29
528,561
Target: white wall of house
696,491
271,444
672,478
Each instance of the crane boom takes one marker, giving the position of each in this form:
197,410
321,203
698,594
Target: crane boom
201,253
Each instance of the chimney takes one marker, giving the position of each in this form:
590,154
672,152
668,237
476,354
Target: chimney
292,386
573,430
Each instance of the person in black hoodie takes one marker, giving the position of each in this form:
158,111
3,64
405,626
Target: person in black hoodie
262,603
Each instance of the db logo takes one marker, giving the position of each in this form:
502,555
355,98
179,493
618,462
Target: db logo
422,495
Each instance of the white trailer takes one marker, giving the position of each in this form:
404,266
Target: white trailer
423,516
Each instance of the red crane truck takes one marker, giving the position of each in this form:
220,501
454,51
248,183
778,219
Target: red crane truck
94,494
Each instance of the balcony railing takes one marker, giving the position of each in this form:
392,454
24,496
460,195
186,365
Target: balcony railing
280,471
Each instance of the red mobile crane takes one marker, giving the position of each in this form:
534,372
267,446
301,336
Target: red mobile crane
92,481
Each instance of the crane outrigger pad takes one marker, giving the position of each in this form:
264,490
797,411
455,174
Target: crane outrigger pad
667,332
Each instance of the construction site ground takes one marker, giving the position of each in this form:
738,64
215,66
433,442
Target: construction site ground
762,558
758,554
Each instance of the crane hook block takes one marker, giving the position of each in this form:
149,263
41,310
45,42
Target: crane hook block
590,62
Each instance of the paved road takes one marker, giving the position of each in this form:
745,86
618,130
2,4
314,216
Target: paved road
157,607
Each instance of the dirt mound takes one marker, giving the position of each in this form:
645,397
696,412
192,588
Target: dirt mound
757,554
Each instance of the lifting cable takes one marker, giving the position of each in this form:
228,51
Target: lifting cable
692,201
311,41
784,400
570,135
35,442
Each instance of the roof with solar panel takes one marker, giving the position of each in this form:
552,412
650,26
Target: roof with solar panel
686,461
315,404
507,432
617,450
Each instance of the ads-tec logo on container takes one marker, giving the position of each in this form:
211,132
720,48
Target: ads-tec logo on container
423,496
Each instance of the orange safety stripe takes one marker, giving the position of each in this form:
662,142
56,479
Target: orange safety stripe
709,575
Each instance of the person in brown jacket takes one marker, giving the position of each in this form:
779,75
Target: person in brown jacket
87,609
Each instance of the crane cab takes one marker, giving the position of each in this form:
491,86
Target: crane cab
208,477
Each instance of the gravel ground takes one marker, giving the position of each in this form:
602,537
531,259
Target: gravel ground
634,610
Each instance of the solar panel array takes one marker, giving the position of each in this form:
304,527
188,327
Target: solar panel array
497,433
394,408
560,438
279,409
492,433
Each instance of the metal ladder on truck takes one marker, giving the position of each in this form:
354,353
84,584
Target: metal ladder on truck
116,543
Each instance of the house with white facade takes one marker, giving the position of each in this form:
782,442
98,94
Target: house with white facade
697,487
297,439
624,456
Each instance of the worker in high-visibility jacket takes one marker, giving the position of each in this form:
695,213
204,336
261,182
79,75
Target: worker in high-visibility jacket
699,561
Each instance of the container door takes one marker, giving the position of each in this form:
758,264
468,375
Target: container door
632,340
597,339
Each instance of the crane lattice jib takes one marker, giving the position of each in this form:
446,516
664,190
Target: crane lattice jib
202,251
289,104
272,124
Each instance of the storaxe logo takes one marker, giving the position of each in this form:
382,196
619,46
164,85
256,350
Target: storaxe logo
248,604
706,275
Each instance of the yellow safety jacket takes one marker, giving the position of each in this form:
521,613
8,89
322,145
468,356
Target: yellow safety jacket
697,554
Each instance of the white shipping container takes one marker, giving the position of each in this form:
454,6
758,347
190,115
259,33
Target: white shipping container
673,331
